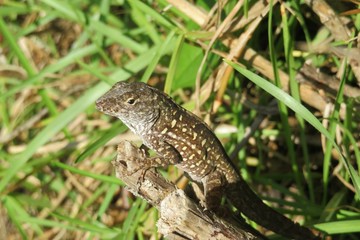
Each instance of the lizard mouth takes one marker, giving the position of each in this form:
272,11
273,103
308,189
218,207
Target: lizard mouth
108,106
103,105
99,105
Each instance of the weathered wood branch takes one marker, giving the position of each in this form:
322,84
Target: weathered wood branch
180,216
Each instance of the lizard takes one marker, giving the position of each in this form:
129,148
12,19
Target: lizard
180,138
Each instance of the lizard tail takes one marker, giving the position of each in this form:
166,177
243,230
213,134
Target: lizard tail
248,203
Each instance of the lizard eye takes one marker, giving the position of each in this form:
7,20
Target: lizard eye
130,101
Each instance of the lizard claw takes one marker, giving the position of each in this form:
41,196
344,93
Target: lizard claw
131,156
133,165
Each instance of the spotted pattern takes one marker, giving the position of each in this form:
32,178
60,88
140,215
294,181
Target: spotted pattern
200,151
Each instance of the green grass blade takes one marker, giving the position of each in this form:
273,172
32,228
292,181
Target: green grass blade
334,203
60,64
109,196
173,63
152,13
334,119
155,60
15,47
103,178
75,224
144,23
295,92
346,226
117,36
64,9
284,113
132,220
16,213
115,129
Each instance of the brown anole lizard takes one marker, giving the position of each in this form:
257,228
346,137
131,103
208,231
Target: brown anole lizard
180,138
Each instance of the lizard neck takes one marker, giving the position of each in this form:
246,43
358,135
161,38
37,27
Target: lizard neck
141,128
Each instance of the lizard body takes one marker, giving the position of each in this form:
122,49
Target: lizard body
180,138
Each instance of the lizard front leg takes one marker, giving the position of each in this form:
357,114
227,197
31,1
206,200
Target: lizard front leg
167,155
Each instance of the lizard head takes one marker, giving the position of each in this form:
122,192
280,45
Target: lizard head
135,104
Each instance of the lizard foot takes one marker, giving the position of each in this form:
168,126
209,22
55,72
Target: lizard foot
131,156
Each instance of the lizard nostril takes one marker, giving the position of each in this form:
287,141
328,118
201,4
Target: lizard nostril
98,105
